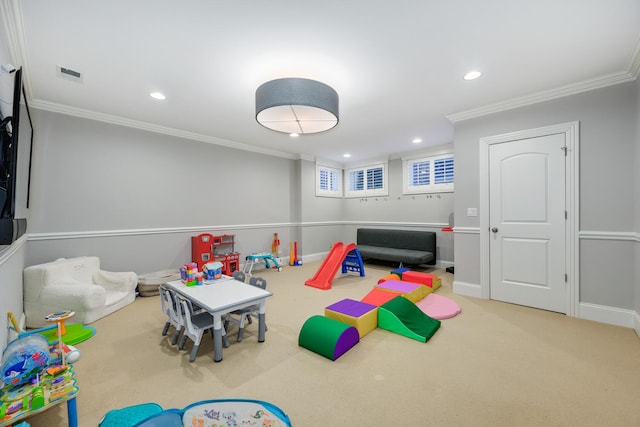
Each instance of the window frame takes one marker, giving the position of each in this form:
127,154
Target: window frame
367,192
320,192
432,187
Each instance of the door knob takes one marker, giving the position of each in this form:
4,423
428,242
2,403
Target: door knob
494,229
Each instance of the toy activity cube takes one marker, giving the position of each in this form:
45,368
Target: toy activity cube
362,316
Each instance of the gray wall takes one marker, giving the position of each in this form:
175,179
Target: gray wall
429,212
637,209
98,188
608,186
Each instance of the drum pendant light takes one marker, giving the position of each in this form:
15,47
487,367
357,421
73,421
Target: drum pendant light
296,106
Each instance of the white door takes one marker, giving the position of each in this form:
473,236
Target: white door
527,222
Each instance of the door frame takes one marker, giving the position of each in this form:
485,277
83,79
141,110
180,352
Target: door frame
572,138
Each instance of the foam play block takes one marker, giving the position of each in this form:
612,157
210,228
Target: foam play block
413,291
327,337
429,279
389,277
438,307
378,296
403,317
362,316
400,271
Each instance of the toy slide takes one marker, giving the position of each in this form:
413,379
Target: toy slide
325,274
403,317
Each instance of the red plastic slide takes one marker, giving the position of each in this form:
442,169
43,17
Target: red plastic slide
327,271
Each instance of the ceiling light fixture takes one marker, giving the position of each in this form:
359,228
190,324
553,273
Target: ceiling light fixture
296,105
157,95
417,140
472,75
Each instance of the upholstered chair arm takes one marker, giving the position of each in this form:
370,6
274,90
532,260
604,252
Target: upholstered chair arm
116,281
74,296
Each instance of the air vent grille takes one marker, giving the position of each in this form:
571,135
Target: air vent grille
70,74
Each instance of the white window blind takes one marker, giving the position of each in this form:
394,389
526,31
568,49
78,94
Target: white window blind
367,181
328,181
429,174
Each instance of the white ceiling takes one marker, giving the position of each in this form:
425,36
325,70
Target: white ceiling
397,67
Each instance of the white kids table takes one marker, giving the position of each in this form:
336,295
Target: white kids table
222,296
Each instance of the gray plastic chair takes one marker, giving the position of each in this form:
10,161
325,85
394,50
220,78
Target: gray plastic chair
195,325
165,309
169,303
239,317
240,276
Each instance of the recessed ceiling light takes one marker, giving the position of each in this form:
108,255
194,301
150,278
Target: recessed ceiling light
294,135
472,75
158,95
417,140
346,155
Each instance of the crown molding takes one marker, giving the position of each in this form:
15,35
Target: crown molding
634,61
116,120
547,95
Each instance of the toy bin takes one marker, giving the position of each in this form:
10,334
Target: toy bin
149,283
212,270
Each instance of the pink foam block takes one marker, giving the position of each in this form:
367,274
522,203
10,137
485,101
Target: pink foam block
438,307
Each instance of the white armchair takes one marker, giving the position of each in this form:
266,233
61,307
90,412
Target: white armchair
75,284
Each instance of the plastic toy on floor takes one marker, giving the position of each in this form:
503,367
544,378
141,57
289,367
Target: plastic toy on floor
335,258
31,378
218,412
293,254
253,259
57,349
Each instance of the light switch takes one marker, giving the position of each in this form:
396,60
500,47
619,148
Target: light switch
472,211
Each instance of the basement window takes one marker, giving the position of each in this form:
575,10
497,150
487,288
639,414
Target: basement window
434,174
367,181
328,181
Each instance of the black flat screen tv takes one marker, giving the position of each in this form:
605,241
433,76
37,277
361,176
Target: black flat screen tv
13,222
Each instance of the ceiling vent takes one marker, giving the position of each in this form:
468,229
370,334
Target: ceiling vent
68,73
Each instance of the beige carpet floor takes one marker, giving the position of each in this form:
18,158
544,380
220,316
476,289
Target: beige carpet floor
495,364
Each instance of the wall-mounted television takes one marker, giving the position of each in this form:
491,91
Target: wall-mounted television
15,156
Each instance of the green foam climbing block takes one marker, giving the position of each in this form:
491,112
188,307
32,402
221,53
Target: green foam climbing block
403,317
327,337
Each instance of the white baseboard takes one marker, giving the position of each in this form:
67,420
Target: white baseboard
444,264
609,315
314,257
467,289
598,313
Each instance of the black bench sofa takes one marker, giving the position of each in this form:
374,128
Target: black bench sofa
403,246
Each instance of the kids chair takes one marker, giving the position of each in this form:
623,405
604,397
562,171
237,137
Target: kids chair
244,314
169,300
195,325
76,284
164,304
240,275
